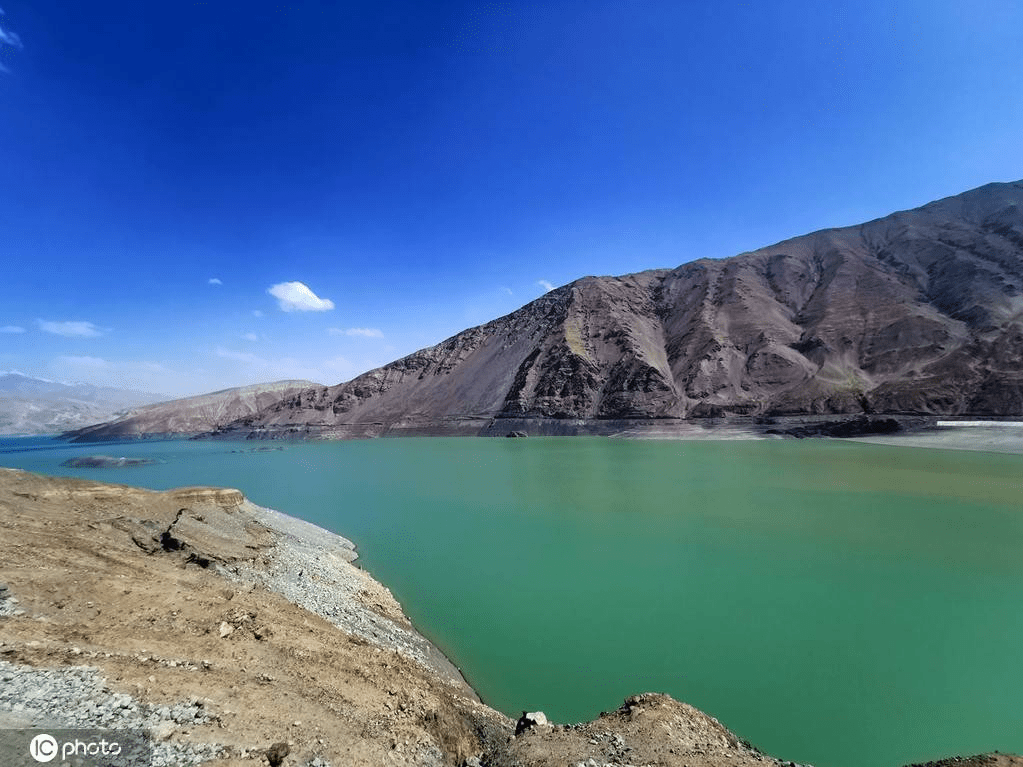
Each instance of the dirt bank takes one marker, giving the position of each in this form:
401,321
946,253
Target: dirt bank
223,628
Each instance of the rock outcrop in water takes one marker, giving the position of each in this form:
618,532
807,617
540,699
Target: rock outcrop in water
104,462
920,312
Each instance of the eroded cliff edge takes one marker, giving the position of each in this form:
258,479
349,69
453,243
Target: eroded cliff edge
223,628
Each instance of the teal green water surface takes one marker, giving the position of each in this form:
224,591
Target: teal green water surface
840,604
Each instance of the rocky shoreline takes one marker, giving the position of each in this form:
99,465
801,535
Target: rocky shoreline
238,636
720,427
952,433
964,432
217,626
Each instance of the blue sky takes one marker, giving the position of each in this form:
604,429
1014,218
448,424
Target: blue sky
421,167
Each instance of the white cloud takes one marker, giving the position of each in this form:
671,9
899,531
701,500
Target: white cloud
246,357
11,329
363,332
90,363
252,368
547,287
257,313
289,367
8,38
508,291
339,369
135,375
337,363
250,337
297,297
70,329
215,281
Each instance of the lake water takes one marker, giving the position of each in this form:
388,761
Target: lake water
834,603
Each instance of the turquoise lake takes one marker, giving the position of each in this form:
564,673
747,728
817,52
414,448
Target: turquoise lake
834,603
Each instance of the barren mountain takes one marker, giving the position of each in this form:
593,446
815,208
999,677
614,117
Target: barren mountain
920,312
192,415
36,406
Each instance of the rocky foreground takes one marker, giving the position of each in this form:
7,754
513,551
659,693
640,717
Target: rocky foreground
236,635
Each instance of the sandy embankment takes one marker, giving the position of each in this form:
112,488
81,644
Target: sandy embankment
986,436
222,628
1002,436
255,622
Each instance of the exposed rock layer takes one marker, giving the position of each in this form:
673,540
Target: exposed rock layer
920,312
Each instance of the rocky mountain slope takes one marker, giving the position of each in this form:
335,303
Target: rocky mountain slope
235,635
920,312
192,415
36,406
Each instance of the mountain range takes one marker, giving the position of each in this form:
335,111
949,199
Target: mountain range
916,313
31,405
192,415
